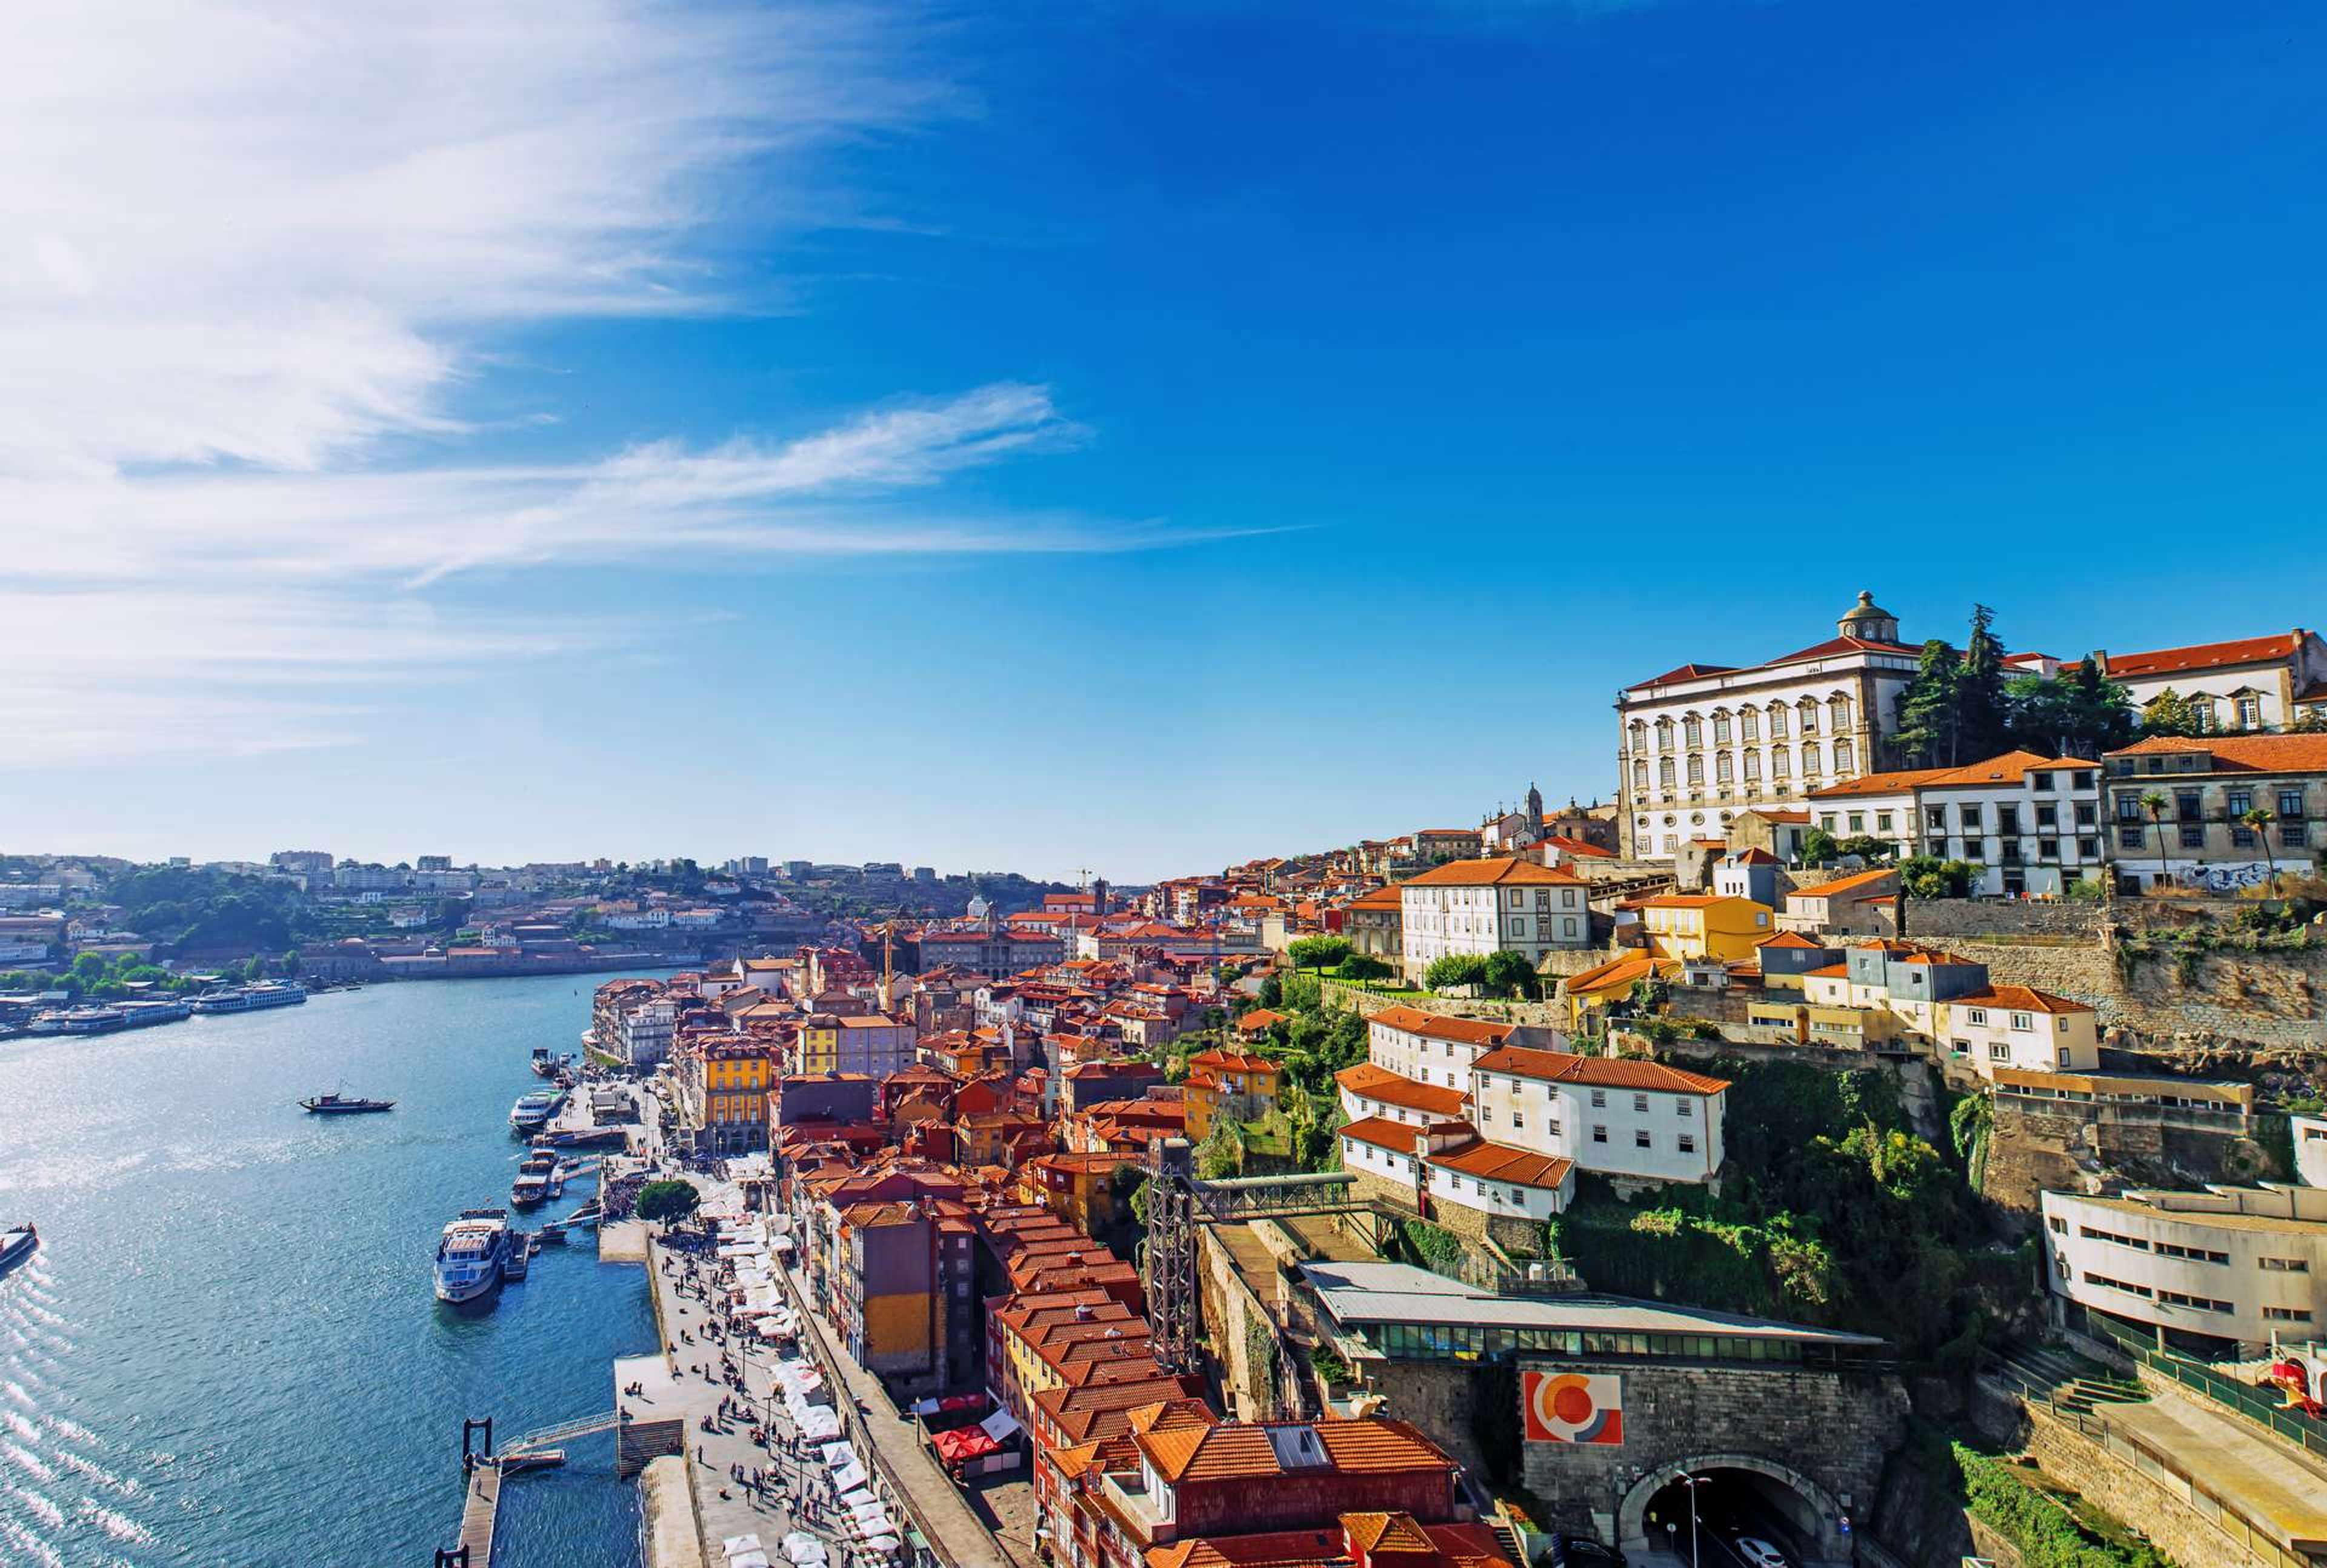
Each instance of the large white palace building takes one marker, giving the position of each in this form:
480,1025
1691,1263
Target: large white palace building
1703,742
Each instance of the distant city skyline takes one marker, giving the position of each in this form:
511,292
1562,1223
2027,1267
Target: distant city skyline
1139,438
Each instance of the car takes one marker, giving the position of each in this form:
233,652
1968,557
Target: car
1580,1552
1760,1553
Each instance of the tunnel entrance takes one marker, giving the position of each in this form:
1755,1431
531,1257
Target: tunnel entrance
1737,1499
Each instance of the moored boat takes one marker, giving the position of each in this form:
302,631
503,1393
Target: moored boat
532,1112
473,1254
342,1105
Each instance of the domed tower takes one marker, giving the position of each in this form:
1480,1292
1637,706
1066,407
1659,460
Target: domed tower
1870,621
1534,807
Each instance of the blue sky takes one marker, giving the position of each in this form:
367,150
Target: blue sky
1129,437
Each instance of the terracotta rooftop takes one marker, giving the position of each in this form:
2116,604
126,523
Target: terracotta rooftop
2206,655
2242,753
1620,1072
1441,1026
1378,1083
1496,871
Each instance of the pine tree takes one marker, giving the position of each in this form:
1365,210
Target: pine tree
1926,730
1983,713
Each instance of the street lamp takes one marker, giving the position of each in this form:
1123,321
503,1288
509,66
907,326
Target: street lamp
1692,1483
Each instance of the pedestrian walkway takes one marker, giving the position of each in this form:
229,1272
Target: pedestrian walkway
958,1536
2282,1497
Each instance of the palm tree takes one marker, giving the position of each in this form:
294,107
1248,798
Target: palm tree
2259,819
2153,801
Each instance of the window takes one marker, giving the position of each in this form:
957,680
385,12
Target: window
2060,1225
1976,1015
1936,818
2048,815
2129,837
1753,767
1843,756
2021,1022
1749,725
2286,1265
1858,822
1695,770
2186,806
1999,1052
1723,769
2290,803
1552,1127
1692,733
1688,1142
1684,1106
2293,835
2237,802
1640,1102
2193,836
1810,760
1599,1099
2048,849
1599,1133
1518,1119
2088,849
1721,729
1810,717
1777,723
1882,822
1778,767
2241,835
2249,712
2086,815
2285,1315
1640,1138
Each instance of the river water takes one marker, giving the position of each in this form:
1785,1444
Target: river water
226,1351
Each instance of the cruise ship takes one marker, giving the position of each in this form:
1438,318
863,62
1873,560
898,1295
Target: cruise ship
475,1251
532,1112
250,998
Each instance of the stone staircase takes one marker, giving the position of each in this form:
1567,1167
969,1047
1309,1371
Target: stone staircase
2065,1379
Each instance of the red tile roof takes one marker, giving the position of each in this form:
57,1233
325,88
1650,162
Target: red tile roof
1495,871
1843,884
1790,939
1378,1083
1442,1026
2205,656
2242,753
1500,1162
2019,998
1621,1072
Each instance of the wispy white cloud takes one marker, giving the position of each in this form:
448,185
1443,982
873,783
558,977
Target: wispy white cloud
253,253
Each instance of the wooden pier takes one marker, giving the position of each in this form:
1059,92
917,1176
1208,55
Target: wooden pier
478,1511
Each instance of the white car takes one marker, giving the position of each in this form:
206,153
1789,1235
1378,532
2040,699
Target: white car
1759,1554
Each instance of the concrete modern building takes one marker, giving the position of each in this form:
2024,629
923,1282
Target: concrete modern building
2210,1270
2310,1135
1503,904
1703,742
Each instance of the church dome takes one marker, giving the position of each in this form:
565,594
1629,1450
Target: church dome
1869,620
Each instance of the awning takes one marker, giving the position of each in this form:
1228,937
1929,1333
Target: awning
1001,1426
735,1543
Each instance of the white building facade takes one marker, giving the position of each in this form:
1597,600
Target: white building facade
1700,743
2031,823
1481,907
1623,1117
2251,684
2228,1264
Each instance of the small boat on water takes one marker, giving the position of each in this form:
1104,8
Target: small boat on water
342,1105
17,1243
547,1063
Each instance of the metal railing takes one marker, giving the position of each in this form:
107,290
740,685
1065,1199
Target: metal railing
2243,1399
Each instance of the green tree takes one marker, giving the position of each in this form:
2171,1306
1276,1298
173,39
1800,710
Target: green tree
2170,713
1927,876
2153,801
1868,846
1364,966
1317,952
1456,970
1983,713
1222,1154
1819,846
2079,712
1927,711
2259,820
1509,974
667,1201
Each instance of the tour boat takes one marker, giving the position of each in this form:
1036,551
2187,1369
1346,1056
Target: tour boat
539,1180
16,1244
248,998
473,1254
342,1105
533,1111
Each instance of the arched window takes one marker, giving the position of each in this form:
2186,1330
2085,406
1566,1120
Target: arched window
1720,726
1808,706
1777,722
1778,763
1843,754
1664,734
1837,714
1665,773
1753,767
1695,770
1640,776
1723,769
1749,724
1809,760
1692,731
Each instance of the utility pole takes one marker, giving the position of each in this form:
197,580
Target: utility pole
1692,1483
